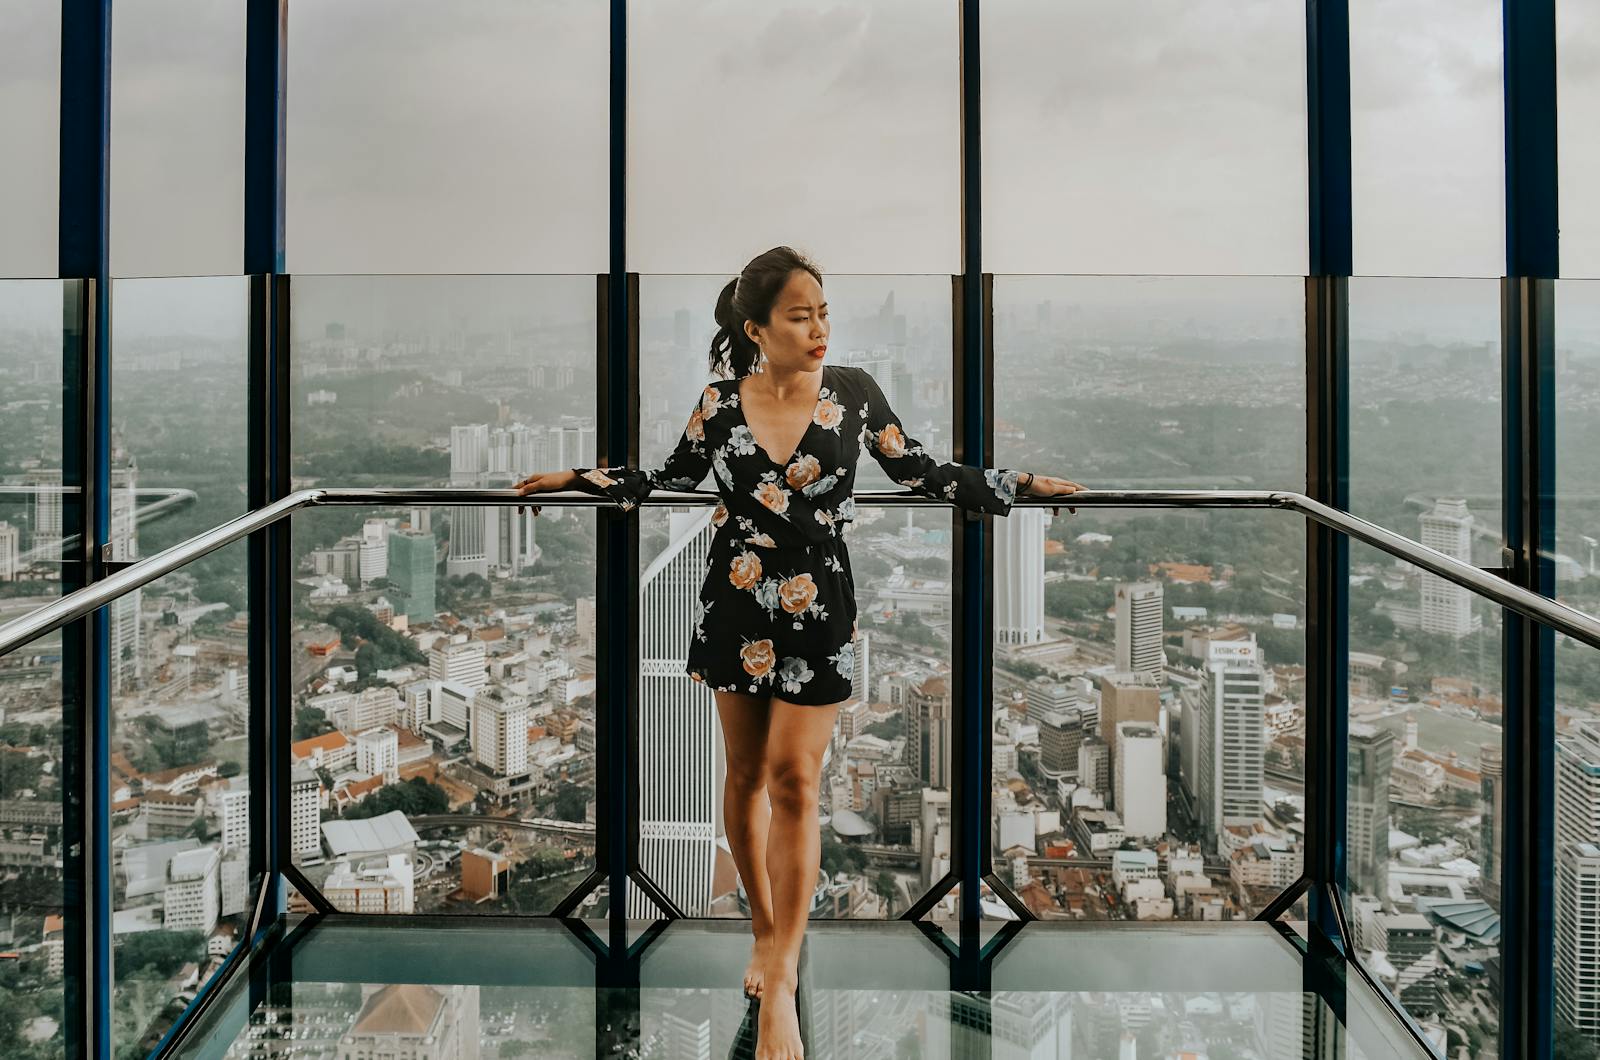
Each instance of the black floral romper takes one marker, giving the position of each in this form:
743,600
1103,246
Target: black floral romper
776,614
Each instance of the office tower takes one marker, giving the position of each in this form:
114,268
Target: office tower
1019,576
1224,740
378,754
861,683
190,899
412,570
1127,696
928,731
1046,694
1141,783
681,764
10,552
1094,763
464,662
305,812
1447,607
44,543
1061,736
452,706
585,623
1577,942
1491,830
469,527
1371,760
500,731
374,554
127,656
233,816
1139,629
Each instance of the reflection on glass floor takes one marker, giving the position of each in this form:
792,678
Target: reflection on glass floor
356,990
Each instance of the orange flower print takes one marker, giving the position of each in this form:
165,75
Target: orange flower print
710,402
719,516
828,414
697,426
891,442
802,472
696,677
797,593
599,478
773,496
758,658
744,570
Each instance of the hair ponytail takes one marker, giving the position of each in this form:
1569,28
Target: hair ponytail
750,296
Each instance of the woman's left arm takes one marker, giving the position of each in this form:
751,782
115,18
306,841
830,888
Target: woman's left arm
905,461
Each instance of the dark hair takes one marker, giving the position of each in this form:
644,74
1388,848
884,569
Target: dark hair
750,296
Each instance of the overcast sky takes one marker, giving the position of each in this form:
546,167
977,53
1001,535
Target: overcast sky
1158,136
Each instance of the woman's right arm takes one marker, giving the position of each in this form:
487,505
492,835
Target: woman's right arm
628,487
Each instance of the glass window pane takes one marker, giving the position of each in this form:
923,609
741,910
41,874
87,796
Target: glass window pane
831,129
1426,138
1425,408
433,138
1577,116
1154,137
30,127
177,138
445,682
180,784
1427,816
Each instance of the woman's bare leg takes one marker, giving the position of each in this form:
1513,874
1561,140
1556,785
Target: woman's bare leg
797,736
746,815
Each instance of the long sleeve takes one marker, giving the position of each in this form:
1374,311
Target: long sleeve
685,469
905,461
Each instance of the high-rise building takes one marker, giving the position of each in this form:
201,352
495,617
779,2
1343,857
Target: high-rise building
500,731
378,754
861,683
1094,764
305,812
1046,694
1061,738
464,662
928,732
233,815
413,574
1492,827
1127,696
191,901
10,552
374,555
1019,576
1223,739
681,765
1141,783
1370,763
1446,606
1577,941
1140,629
469,527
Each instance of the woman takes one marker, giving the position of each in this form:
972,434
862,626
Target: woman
775,621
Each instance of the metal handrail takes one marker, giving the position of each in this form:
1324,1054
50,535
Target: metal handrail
1576,624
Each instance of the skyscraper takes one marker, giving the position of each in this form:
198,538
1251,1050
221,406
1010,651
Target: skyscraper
1140,629
1224,739
413,573
10,551
1577,882
469,527
1124,697
1019,576
500,731
1371,760
305,813
1492,829
1446,606
1140,781
928,732
681,763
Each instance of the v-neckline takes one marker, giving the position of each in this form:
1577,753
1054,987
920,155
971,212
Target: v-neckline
810,421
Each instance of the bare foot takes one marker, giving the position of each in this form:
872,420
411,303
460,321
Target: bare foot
778,1028
758,960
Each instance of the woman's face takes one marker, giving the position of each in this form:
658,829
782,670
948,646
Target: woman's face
796,337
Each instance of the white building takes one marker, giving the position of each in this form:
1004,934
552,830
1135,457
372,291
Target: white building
305,812
233,816
1223,749
500,731
378,754
1140,629
464,662
1140,780
357,711
1577,942
681,765
383,885
1446,606
10,551
190,901
1019,576
374,555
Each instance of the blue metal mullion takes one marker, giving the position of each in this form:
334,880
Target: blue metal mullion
1330,242
1527,901
84,254
972,679
266,53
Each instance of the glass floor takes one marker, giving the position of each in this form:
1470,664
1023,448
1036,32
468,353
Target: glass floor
429,990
